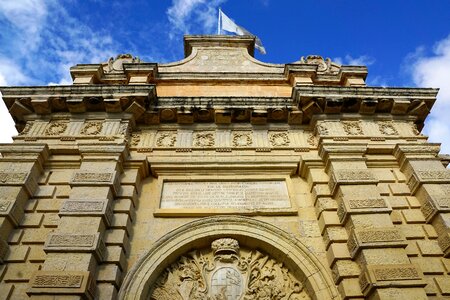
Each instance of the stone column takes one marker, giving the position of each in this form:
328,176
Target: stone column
374,248
76,252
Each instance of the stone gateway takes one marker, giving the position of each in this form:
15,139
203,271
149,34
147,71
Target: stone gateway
220,177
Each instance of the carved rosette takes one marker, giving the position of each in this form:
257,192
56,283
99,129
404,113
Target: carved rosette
92,128
227,272
242,139
204,139
352,127
278,139
166,139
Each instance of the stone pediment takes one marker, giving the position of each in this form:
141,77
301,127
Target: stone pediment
219,55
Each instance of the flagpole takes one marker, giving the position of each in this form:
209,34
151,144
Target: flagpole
218,23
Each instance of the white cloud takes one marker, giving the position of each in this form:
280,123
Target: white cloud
193,15
434,71
363,60
40,41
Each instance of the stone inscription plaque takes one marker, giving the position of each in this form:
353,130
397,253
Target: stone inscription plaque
225,194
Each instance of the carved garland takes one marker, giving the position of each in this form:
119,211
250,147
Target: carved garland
242,139
352,127
204,140
279,139
221,274
56,128
92,128
166,140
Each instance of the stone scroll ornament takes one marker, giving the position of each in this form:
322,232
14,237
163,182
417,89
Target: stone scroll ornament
222,274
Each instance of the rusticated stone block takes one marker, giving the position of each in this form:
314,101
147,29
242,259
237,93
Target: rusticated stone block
348,207
62,283
106,291
427,176
443,284
6,290
63,242
109,273
435,204
375,238
429,248
399,189
429,265
81,178
3,249
413,216
337,251
115,255
344,269
19,179
351,176
11,211
327,219
325,204
398,275
90,208
349,288
334,235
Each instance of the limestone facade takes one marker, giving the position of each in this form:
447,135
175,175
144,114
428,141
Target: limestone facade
222,177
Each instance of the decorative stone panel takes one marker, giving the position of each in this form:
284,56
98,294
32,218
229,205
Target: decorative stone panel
347,207
17,179
375,238
62,283
435,204
351,176
67,242
398,275
82,178
428,176
10,210
88,208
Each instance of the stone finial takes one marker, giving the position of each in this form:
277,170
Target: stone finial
323,65
225,245
116,64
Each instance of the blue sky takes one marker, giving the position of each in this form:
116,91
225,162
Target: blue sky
403,43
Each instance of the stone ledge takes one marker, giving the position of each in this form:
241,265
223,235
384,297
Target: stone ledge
389,276
66,242
88,208
383,237
62,283
347,207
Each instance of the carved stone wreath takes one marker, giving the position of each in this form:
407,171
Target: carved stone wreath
279,139
242,139
166,140
92,128
204,139
56,128
387,128
352,127
227,272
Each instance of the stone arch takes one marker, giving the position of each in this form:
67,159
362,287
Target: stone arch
200,233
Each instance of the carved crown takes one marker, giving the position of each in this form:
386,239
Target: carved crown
225,245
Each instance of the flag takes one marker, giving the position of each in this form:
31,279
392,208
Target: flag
228,24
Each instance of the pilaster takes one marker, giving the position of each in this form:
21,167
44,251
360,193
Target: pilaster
366,252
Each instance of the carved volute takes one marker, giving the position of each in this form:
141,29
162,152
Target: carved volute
227,272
